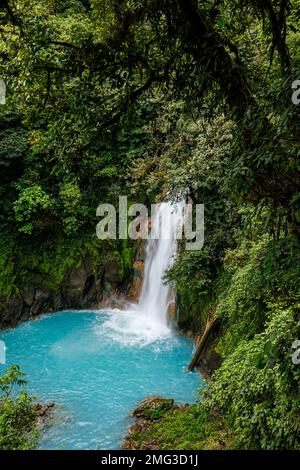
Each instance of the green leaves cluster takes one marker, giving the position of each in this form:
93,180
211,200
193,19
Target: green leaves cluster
257,387
18,419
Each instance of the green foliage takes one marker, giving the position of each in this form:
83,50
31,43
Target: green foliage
257,271
70,195
124,255
18,429
13,148
30,206
192,428
257,386
257,299
18,419
11,378
45,263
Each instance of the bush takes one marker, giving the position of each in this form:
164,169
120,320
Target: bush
31,204
18,419
257,387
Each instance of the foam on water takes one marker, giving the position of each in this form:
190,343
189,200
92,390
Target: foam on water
147,321
131,328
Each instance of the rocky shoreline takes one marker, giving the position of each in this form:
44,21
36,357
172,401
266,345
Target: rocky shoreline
152,409
44,414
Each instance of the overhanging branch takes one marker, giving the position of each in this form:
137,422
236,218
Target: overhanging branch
118,111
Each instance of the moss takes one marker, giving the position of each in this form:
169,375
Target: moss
153,408
184,428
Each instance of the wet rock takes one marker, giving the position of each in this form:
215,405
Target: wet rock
29,296
172,313
89,293
44,414
43,410
111,275
111,279
78,289
137,280
40,303
58,302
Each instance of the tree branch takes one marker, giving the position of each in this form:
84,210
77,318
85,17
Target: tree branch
196,31
121,109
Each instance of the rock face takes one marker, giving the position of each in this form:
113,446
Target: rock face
110,278
40,301
172,313
13,312
135,288
83,286
137,281
79,286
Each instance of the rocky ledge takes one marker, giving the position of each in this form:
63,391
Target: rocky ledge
151,409
44,414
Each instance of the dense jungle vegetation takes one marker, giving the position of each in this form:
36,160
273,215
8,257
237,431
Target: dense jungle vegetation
160,99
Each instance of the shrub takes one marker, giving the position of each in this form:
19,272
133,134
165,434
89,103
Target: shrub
18,419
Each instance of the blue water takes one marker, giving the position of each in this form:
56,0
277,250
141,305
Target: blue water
94,380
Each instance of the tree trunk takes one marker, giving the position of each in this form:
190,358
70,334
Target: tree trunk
196,31
209,328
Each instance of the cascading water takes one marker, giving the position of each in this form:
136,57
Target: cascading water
159,256
91,365
147,321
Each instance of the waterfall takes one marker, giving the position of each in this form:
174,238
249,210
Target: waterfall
160,252
147,321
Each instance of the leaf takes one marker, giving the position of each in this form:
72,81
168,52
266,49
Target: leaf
268,348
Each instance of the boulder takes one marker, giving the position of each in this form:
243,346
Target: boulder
28,296
153,408
41,302
42,410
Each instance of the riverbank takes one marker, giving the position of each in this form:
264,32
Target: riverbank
161,424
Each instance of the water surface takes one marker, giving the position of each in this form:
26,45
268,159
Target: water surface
95,375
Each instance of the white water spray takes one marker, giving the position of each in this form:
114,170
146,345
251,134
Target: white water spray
159,257
147,321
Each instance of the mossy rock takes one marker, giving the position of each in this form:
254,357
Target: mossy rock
153,408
